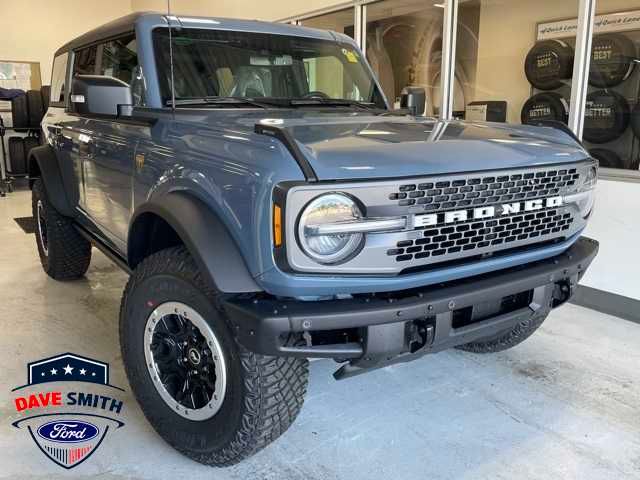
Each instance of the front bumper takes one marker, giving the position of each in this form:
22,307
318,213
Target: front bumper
369,330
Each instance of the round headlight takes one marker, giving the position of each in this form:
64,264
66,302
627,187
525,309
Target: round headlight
327,209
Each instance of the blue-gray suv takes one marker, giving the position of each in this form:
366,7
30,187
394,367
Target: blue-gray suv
270,207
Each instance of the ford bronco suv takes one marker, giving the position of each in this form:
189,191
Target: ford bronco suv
270,207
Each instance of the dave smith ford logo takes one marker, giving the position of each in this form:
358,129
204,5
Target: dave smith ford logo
70,437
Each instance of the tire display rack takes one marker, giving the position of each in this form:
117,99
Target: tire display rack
27,112
612,111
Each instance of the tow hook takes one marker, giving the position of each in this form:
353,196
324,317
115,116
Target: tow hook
562,291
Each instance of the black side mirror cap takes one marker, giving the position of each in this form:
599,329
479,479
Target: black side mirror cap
414,99
99,95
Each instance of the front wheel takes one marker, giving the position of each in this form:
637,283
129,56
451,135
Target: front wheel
205,394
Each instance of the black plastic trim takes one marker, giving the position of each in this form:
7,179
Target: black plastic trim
262,324
290,143
204,235
114,256
51,175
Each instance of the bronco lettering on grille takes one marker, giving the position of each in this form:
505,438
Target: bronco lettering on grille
430,219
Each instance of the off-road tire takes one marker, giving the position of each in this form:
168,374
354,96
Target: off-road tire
67,254
508,339
263,394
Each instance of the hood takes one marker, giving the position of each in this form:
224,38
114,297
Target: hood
387,147
351,145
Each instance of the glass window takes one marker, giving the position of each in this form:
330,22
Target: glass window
612,113
85,61
341,21
58,78
119,59
404,47
216,63
514,60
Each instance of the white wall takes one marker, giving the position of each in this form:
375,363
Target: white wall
616,225
32,30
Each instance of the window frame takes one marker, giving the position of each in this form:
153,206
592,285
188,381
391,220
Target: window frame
67,82
72,55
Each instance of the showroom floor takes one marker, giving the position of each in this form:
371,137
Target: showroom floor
565,404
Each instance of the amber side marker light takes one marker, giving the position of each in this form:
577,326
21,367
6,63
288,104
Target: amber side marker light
277,226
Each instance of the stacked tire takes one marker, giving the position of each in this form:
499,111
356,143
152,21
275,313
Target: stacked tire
548,66
612,104
27,112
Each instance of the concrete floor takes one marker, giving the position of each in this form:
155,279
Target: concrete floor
565,404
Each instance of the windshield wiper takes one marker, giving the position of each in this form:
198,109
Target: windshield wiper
226,101
333,102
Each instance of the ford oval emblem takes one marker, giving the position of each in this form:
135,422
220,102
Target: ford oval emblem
68,431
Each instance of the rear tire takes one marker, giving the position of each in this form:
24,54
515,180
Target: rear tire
64,253
507,339
261,396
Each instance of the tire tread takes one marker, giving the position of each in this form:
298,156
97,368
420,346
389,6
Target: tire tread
274,386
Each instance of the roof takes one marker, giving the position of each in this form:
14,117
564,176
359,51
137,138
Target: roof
150,19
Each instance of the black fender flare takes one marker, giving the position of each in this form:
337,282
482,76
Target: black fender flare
44,160
206,238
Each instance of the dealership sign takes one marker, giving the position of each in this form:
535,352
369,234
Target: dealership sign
611,22
67,427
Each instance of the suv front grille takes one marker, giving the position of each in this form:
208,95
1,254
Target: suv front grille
472,235
437,239
484,190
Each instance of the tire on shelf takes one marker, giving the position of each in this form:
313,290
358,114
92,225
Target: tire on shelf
29,143
607,115
20,113
635,120
17,157
36,109
45,90
545,106
612,60
607,158
548,63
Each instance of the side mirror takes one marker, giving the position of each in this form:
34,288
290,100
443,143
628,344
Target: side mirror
99,95
413,99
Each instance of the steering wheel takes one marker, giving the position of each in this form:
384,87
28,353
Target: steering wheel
316,94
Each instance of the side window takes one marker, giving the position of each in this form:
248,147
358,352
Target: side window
58,78
119,59
85,61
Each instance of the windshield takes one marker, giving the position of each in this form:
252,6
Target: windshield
244,65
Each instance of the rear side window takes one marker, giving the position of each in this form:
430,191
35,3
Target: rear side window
85,61
116,58
58,78
119,59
